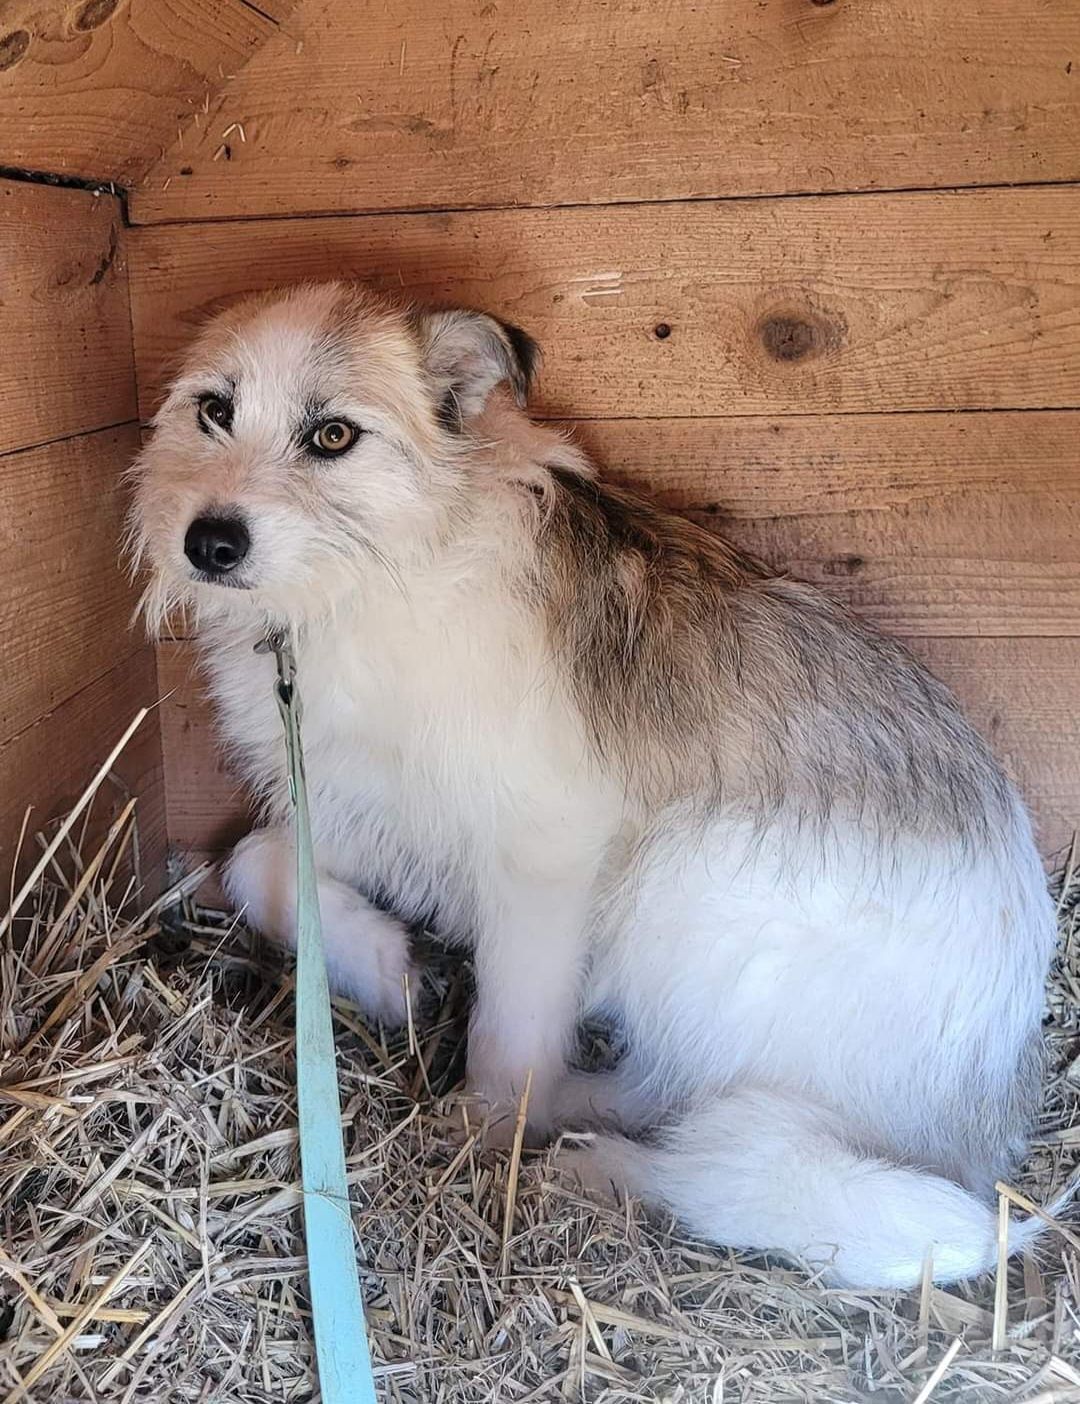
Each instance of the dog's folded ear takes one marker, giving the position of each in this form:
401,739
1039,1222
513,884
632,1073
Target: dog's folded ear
467,354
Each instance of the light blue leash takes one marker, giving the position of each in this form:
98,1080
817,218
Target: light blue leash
337,1308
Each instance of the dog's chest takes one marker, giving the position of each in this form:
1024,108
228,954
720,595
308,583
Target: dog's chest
459,756
451,752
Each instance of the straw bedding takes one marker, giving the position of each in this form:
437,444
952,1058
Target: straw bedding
152,1236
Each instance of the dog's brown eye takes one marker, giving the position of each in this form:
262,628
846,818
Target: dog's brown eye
335,436
215,411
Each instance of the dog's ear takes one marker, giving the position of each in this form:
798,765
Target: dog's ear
467,354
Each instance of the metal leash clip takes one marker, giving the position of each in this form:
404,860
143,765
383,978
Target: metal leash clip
278,641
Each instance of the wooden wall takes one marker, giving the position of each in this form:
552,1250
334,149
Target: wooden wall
74,674
354,105
100,89
811,271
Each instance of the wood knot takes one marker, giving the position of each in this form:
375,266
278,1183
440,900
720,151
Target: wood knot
789,338
12,47
94,14
844,565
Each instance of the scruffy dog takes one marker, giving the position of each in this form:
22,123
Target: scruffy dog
632,769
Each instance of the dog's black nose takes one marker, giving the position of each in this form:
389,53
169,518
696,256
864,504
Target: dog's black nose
216,545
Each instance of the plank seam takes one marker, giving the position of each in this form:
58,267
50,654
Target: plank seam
248,5
68,438
68,182
907,411
114,666
571,205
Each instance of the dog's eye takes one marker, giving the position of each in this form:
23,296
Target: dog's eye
215,411
335,436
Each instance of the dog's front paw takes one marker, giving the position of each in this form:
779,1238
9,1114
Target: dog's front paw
495,1115
368,960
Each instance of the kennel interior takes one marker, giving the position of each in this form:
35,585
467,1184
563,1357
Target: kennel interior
808,270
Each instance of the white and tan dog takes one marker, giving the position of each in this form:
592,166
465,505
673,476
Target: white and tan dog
633,770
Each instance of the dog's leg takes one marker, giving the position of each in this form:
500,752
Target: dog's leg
529,961
367,951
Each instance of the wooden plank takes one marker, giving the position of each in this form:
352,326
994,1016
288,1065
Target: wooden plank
49,764
823,304
74,676
925,524
206,806
463,104
65,601
1020,693
64,319
99,90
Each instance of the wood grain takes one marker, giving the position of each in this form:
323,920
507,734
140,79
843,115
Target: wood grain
73,674
361,107
206,806
926,524
1019,693
65,327
101,89
815,305
49,764
64,600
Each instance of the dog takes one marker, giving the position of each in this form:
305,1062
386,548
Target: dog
630,768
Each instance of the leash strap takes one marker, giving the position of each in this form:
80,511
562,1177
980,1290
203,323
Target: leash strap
337,1308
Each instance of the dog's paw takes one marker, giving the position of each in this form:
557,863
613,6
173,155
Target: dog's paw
368,961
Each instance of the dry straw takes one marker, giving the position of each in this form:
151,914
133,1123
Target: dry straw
151,1234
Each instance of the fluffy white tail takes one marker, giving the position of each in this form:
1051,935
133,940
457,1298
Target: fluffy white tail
761,1169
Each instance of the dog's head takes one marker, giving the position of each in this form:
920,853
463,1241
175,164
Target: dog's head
312,436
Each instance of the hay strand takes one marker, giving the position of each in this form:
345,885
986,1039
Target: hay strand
514,1173
65,828
939,1373
1029,1206
78,1321
1001,1278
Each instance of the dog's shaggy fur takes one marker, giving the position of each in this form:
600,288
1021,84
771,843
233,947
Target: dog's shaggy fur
630,767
